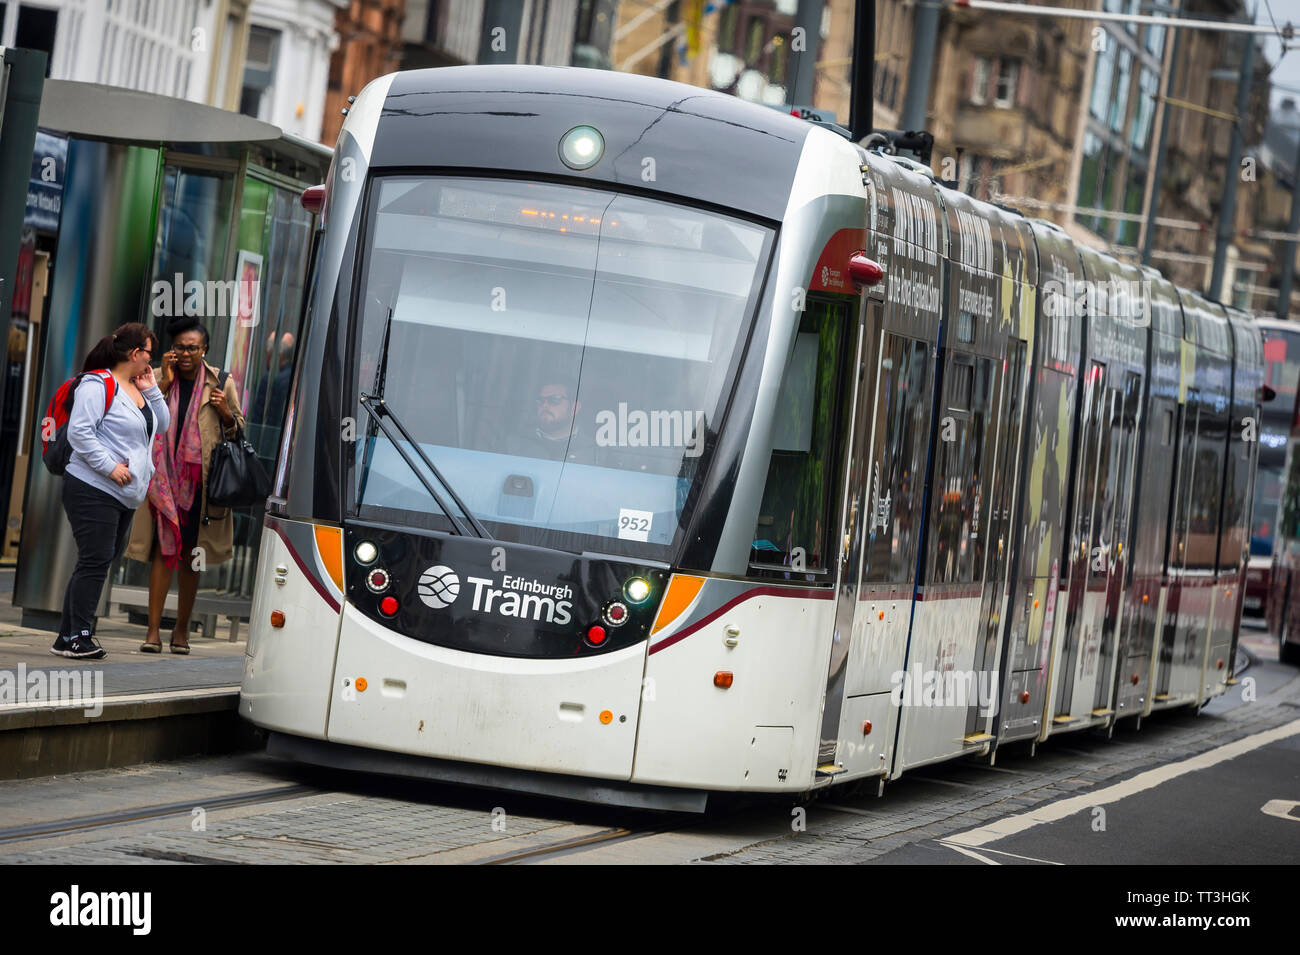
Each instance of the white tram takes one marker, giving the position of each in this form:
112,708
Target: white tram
647,443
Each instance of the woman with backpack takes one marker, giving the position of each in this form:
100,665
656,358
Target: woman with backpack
174,529
117,409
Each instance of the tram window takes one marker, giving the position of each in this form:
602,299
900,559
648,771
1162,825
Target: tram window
1236,501
559,353
959,386
1206,493
896,480
1167,428
796,514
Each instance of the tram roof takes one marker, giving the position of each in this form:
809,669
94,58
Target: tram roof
512,117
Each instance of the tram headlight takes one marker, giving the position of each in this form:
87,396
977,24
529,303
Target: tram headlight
582,147
365,552
637,590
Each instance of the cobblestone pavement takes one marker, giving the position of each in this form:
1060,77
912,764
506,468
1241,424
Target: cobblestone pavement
305,814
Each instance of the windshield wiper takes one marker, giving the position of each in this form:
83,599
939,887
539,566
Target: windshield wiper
378,412
377,415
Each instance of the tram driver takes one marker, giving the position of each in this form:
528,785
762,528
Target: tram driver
552,433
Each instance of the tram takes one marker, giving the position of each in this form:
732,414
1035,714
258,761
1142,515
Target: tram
1282,375
646,444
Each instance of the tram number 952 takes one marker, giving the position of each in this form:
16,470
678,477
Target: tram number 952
637,525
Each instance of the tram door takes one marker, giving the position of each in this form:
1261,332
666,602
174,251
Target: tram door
1124,443
855,390
1001,527
1094,500
1172,638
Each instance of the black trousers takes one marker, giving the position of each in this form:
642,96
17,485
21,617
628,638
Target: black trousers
101,525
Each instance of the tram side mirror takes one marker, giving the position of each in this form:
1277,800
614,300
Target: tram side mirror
864,272
1266,393
313,199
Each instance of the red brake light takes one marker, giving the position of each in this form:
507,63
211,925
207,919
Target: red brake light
388,606
596,635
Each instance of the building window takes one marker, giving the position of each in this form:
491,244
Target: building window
727,29
1133,7
1119,102
1155,39
754,40
1133,196
1140,130
980,83
1101,81
1089,173
259,70
995,80
778,63
1005,89
35,31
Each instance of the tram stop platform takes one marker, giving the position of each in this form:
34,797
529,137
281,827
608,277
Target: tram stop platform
59,715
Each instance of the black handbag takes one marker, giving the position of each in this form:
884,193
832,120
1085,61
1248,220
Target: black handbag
236,477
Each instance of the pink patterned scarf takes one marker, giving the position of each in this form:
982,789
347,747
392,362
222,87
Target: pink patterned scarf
177,473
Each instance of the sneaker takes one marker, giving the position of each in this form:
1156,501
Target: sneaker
62,646
84,647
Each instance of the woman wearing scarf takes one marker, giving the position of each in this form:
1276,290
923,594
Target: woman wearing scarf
168,532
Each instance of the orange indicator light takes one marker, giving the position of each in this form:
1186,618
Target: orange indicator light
361,684
722,679
606,717
277,618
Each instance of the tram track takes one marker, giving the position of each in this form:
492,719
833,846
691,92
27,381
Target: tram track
579,844
125,817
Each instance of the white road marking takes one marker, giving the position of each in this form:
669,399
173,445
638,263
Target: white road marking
1280,808
1053,812
972,853
1013,855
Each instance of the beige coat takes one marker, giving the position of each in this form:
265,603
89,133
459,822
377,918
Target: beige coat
217,536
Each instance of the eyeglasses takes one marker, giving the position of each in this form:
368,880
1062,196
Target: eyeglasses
553,400
187,349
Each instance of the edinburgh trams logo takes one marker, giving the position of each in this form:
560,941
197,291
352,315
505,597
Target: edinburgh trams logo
439,587
513,596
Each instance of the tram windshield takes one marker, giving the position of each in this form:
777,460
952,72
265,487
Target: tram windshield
561,355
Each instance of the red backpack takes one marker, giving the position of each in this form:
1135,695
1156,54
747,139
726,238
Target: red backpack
55,449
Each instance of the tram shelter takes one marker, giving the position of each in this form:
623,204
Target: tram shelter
158,192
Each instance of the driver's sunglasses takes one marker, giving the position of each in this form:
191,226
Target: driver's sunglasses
553,400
